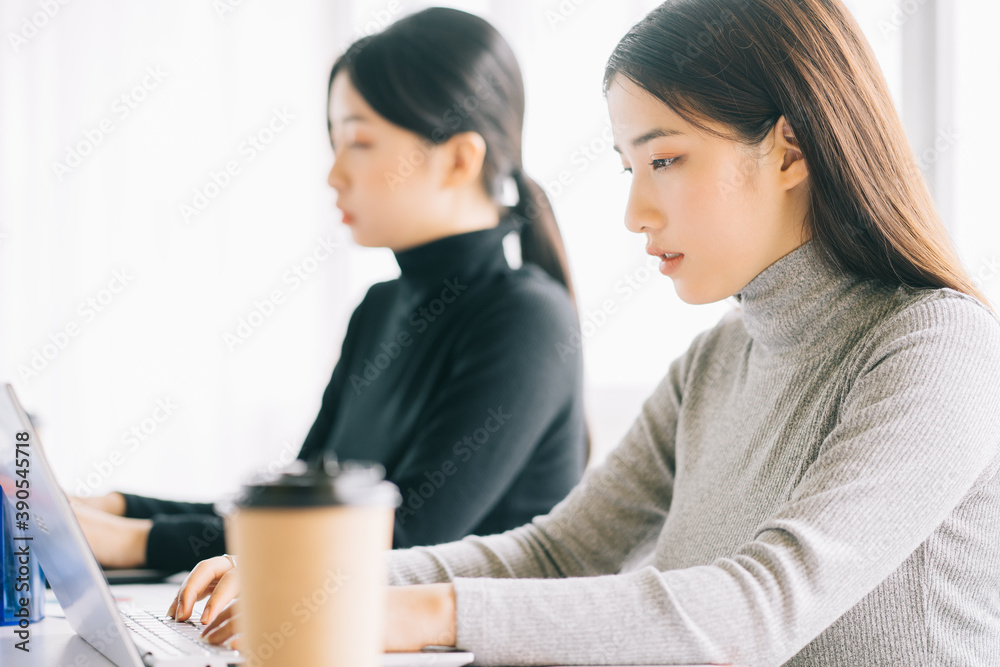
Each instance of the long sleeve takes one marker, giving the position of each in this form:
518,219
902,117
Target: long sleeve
182,533
505,390
915,438
143,507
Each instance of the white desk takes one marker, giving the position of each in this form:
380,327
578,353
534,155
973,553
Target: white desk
53,642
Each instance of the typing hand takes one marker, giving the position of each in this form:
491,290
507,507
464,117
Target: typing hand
224,627
216,578
417,616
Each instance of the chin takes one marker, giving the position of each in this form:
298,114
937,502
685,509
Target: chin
697,297
365,240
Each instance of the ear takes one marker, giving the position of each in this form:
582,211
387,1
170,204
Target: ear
462,158
786,146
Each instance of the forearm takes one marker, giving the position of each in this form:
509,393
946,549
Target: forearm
497,556
615,509
144,507
180,542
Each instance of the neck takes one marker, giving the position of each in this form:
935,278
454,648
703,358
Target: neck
798,302
464,255
462,217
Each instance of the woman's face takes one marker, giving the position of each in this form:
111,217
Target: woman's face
715,212
387,186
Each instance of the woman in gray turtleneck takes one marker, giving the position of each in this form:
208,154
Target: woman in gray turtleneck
816,475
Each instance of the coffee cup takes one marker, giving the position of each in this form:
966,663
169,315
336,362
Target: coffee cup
312,573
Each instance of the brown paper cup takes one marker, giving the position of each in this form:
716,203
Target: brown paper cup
312,578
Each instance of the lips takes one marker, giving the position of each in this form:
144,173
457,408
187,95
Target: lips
662,253
347,217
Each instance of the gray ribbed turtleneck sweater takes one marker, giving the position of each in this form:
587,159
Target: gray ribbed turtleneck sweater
818,474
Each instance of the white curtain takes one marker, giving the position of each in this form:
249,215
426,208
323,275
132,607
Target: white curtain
174,281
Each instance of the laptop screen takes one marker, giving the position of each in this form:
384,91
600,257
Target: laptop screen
57,540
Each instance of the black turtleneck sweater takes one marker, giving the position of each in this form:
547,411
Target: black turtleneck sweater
456,378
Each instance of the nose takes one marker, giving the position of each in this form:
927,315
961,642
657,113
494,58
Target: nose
641,214
336,178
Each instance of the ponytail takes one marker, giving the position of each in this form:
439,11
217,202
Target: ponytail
541,242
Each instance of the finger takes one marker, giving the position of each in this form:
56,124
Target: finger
225,590
221,618
222,633
173,604
198,584
172,610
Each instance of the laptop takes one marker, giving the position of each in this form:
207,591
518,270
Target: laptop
126,636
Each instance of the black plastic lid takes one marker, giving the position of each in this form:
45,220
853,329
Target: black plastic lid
352,483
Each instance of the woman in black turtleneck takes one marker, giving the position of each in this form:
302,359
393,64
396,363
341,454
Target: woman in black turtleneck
460,377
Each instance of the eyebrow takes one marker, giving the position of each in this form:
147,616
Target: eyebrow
355,118
649,136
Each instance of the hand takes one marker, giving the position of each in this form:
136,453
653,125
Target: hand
110,503
225,627
215,577
419,616
115,540
416,616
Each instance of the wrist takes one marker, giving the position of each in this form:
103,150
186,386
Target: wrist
420,615
442,608
115,504
138,542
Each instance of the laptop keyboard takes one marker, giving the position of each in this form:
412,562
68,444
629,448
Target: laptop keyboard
167,637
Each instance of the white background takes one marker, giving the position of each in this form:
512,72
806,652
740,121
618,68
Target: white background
161,338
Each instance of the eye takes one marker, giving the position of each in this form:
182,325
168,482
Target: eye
662,163
627,170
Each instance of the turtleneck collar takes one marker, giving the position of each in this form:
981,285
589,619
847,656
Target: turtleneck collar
797,301
467,255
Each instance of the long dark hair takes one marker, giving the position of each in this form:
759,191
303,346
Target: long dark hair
441,72
744,64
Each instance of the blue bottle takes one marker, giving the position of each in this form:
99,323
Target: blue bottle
22,580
